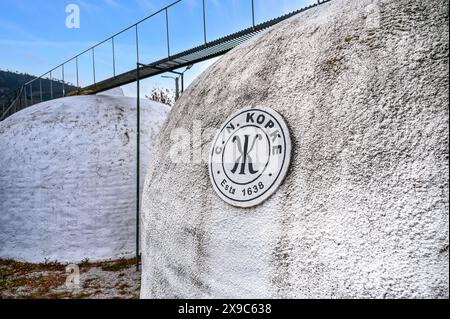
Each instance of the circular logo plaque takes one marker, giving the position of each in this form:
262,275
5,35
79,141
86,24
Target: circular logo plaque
250,156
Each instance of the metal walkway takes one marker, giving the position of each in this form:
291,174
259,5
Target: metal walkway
26,95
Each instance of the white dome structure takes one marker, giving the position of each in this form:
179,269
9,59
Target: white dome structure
363,210
68,177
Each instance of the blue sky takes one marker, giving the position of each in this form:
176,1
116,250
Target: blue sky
34,37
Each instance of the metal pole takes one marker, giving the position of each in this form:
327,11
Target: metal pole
15,104
253,13
93,63
63,87
26,98
204,22
137,45
177,88
114,57
40,88
167,33
31,93
182,82
51,86
76,62
138,127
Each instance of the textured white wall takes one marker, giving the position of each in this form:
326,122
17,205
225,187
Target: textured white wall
363,211
67,177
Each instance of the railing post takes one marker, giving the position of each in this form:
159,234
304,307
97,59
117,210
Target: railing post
204,22
76,66
26,98
137,43
253,13
63,87
15,104
167,33
40,88
93,64
51,86
113,57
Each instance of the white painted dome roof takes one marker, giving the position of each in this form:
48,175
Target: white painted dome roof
67,177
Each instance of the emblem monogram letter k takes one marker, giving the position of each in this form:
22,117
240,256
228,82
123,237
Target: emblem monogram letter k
244,156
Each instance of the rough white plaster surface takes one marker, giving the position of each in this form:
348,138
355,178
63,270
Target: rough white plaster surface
363,211
68,177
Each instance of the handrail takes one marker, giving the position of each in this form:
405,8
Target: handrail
106,40
49,76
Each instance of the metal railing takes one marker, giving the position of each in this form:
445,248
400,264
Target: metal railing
31,92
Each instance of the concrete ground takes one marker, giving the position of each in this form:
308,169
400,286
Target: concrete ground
52,280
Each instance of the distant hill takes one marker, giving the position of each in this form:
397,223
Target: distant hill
11,81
